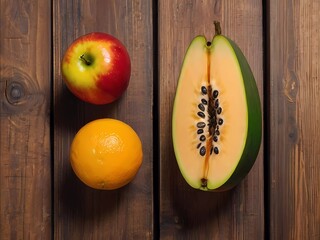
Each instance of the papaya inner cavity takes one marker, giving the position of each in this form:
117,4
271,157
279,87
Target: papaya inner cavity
209,126
212,126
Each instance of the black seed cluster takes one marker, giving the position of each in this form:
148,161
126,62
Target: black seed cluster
214,110
201,125
214,120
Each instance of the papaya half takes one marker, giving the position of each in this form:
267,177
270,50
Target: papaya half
217,118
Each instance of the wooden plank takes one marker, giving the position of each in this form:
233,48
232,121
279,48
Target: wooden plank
186,213
294,61
25,73
81,212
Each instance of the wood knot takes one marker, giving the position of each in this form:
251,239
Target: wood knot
21,91
14,92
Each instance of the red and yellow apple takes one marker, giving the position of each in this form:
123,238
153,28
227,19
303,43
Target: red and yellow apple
96,68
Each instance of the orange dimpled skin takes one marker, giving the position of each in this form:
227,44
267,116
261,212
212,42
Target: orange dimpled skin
106,154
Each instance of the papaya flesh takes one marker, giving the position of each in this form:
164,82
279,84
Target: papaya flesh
217,119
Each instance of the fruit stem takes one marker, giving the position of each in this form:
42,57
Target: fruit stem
86,61
217,27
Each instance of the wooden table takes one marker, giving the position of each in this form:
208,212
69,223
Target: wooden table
40,197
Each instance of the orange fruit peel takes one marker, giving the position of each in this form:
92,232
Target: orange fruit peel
106,154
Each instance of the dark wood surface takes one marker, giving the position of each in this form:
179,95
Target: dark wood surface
294,69
40,196
25,153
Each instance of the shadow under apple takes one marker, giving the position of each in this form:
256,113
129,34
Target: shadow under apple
71,113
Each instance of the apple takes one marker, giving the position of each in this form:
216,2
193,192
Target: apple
96,68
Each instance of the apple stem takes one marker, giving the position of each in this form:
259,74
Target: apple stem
86,61
217,27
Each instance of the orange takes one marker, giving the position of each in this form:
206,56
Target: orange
106,154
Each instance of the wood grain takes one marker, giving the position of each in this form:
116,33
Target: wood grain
186,213
25,69
294,44
80,212
29,154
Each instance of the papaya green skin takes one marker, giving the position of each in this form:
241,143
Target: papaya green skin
254,135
